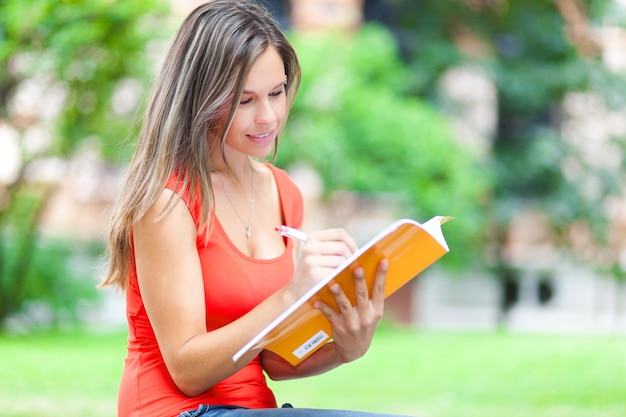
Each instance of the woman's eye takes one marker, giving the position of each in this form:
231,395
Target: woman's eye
277,92
248,100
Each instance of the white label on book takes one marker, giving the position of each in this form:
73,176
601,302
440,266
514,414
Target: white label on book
310,344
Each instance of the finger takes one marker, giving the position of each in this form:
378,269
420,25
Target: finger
323,261
361,293
343,303
360,288
330,313
337,235
380,282
331,247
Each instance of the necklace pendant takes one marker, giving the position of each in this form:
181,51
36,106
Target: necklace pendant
232,203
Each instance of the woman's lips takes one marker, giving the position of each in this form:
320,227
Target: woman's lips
262,138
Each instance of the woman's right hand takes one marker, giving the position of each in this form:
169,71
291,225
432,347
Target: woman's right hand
323,251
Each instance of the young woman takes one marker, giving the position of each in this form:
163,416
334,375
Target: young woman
193,239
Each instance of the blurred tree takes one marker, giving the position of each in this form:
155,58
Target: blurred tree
536,54
65,67
355,124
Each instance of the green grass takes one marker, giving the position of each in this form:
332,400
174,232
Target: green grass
65,374
415,373
471,375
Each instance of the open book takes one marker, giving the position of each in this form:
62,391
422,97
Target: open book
301,329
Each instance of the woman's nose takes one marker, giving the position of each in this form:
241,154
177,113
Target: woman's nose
265,113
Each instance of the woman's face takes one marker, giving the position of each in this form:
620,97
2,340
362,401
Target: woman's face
262,109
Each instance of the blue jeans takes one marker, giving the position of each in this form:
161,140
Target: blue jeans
225,411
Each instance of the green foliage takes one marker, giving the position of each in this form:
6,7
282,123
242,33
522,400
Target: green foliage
534,67
355,124
59,280
38,274
81,54
536,54
83,50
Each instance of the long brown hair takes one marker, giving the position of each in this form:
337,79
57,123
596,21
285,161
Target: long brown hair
193,102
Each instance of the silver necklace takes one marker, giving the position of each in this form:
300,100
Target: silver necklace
248,226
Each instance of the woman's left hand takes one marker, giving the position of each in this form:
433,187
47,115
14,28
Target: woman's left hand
354,326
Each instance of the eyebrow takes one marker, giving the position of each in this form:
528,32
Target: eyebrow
273,88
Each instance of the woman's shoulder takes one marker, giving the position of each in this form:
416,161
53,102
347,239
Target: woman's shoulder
273,169
282,177
290,194
177,188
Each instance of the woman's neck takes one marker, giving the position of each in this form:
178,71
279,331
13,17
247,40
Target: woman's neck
239,169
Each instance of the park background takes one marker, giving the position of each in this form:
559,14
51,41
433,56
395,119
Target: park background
508,115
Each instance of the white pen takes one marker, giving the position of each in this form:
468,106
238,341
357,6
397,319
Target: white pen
292,233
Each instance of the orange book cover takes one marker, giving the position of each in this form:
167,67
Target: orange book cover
410,247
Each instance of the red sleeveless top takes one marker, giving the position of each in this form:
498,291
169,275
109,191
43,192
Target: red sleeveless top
234,283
